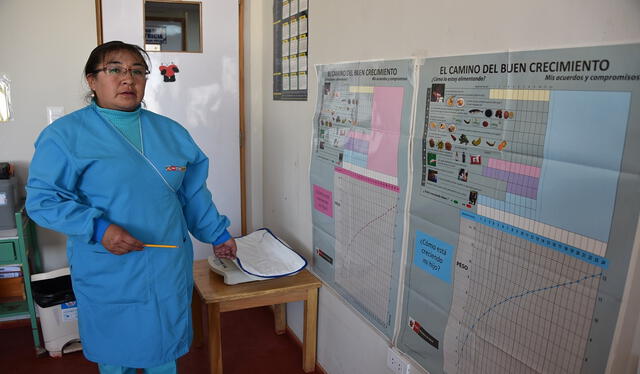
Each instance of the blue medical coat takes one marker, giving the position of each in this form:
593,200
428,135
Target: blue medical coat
134,309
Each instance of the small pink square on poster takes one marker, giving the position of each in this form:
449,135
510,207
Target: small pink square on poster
323,200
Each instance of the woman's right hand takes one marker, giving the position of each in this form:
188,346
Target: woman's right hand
119,242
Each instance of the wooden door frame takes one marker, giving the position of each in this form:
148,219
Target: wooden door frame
241,101
241,106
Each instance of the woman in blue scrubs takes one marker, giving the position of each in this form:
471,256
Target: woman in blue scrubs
114,177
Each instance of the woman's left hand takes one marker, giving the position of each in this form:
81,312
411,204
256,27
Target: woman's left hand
227,249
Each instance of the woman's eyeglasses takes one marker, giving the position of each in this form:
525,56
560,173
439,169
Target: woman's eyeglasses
116,70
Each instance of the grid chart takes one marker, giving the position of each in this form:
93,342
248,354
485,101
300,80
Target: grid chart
343,108
585,243
518,307
520,169
508,174
362,96
525,133
365,219
521,161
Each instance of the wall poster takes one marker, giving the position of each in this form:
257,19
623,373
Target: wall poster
358,177
523,210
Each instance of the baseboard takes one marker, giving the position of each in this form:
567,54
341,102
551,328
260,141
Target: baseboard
319,369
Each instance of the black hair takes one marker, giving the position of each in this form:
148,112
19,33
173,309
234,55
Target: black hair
100,52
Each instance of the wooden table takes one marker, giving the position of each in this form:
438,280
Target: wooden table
220,297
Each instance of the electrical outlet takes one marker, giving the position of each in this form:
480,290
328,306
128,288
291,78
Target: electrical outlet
396,363
54,112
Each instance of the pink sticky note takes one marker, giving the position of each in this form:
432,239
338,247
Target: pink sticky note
323,200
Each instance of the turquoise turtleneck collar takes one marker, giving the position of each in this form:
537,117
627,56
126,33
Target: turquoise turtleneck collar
115,112
127,123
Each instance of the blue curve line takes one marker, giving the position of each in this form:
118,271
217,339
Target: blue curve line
369,224
518,296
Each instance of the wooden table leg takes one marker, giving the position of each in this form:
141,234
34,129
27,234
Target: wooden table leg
196,315
280,317
310,331
215,344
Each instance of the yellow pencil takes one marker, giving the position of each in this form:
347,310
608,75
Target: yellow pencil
160,246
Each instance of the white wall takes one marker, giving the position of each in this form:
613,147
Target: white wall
374,29
43,48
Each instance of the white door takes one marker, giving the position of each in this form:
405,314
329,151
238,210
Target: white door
204,96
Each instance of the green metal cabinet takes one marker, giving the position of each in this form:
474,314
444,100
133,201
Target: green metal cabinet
20,247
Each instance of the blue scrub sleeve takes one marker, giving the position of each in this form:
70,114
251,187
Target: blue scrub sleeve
52,200
203,219
223,238
100,226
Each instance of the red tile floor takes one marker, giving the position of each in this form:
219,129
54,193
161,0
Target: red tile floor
249,346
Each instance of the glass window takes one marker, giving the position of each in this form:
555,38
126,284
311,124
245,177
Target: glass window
172,26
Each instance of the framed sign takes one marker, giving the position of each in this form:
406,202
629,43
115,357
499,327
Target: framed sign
165,35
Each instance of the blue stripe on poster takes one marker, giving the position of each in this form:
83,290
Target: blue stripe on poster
538,239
